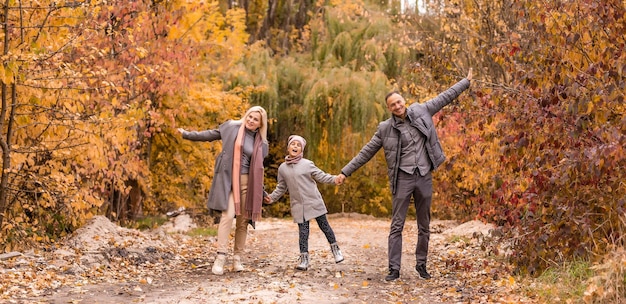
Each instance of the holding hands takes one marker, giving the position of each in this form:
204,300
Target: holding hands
340,179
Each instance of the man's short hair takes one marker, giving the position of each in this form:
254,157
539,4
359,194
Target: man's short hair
391,93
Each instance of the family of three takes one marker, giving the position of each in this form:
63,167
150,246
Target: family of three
412,151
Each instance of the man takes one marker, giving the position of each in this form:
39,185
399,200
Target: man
412,151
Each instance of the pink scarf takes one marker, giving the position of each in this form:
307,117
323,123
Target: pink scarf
254,198
293,160
236,169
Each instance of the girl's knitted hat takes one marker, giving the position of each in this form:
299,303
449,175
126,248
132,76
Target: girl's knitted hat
298,138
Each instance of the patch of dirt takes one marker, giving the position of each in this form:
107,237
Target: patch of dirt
105,263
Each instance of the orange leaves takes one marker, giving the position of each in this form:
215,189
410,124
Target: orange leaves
505,160
577,119
7,72
90,87
191,25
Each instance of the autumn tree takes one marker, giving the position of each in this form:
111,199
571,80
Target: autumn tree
38,195
84,86
567,136
182,171
530,152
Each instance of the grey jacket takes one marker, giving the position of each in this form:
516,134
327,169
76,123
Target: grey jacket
222,177
305,198
387,135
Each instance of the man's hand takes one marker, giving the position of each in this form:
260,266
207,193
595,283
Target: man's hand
469,74
267,200
181,130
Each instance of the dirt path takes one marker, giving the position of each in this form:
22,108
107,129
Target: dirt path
127,266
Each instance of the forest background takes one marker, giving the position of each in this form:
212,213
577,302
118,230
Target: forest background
93,91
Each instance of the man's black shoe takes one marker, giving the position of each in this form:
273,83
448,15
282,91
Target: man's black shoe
393,275
421,269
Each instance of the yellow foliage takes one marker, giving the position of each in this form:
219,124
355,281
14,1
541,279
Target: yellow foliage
6,74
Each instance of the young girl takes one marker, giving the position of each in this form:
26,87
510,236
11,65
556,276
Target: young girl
298,175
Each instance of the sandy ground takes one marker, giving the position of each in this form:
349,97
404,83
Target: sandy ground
103,263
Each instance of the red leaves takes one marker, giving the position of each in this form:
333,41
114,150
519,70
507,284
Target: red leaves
514,49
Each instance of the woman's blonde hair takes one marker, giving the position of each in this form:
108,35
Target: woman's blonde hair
263,128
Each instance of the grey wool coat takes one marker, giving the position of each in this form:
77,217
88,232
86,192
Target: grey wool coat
387,135
299,180
222,177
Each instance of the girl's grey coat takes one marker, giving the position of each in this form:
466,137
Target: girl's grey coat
299,179
222,177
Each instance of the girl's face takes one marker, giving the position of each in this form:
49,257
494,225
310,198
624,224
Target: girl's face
253,121
295,148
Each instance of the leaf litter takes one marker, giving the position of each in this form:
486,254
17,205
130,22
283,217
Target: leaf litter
106,263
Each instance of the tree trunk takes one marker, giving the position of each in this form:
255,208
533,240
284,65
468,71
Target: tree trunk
5,156
268,22
5,140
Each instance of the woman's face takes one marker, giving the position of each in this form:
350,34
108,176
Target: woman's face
295,148
253,121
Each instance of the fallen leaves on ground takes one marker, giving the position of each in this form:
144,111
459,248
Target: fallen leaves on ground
105,263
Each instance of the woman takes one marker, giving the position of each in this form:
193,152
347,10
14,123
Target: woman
237,188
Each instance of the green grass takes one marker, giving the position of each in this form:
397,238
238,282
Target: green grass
149,222
202,231
564,284
456,239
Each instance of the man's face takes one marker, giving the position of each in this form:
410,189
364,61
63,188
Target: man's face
396,105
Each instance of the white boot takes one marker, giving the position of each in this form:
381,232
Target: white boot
237,266
334,248
304,261
218,265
